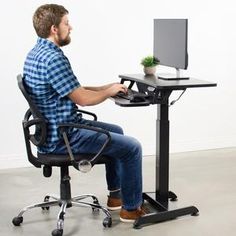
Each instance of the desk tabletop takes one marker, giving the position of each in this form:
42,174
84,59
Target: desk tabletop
154,81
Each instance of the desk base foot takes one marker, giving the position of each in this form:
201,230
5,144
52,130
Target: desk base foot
163,213
164,216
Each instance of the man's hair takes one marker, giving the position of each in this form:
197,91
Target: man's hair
46,16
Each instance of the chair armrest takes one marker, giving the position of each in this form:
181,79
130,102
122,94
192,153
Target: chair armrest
27,123
40,126
96,157
88,113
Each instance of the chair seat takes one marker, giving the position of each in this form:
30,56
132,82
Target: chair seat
64,159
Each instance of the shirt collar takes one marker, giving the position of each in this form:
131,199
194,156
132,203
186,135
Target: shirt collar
48,43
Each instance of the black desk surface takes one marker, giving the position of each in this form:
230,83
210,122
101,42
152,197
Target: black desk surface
152,80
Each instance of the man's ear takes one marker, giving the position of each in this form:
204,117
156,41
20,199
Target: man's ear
54,29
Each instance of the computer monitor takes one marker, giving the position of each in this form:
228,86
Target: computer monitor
170,44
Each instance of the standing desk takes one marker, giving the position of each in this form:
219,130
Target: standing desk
158,92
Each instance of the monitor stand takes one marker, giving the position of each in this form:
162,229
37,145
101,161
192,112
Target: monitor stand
173,77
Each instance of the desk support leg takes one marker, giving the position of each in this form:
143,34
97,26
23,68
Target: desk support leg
162,193
162,153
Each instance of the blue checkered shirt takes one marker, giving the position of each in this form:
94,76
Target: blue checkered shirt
49,79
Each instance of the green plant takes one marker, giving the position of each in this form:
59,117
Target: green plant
149,61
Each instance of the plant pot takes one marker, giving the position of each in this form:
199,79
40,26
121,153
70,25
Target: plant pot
149,70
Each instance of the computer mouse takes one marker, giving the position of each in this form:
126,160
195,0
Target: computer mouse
137,98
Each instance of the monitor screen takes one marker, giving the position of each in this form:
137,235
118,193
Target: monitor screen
170,42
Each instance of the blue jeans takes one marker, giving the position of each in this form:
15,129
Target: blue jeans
125,170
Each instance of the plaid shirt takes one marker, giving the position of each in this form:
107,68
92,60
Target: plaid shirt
49,79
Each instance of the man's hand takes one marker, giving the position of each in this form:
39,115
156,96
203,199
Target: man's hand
115,88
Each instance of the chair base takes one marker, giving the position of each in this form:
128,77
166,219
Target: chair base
77,201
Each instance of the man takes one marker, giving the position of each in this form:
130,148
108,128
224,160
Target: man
55,89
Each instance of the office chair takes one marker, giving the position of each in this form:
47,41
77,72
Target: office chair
35,132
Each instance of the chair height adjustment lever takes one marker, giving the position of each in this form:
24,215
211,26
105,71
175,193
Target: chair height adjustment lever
84,165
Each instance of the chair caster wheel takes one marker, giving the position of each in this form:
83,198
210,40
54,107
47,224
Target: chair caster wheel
107,222
17,220
45,208
46,199
96,202
57,232
95,210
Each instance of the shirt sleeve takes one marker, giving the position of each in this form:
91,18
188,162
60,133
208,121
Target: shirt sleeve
61,76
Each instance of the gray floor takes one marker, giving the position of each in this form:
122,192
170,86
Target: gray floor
205,179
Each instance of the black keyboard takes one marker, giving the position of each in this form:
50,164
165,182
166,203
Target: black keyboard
130,94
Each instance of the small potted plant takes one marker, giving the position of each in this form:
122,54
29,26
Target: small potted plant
149,65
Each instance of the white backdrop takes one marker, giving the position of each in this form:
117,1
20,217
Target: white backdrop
110,38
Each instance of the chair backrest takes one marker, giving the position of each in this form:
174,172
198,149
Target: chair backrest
22,87
33,122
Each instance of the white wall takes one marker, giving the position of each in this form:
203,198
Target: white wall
110,38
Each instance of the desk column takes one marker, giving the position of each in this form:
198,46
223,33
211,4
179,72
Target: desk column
162,153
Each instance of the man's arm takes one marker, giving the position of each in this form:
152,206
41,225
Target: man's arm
85,96
98,88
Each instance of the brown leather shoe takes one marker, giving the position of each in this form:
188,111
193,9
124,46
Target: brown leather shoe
131,216
114,204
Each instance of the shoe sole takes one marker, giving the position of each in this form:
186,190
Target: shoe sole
127,220
114,208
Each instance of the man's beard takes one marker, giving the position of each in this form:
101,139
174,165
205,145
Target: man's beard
63,41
